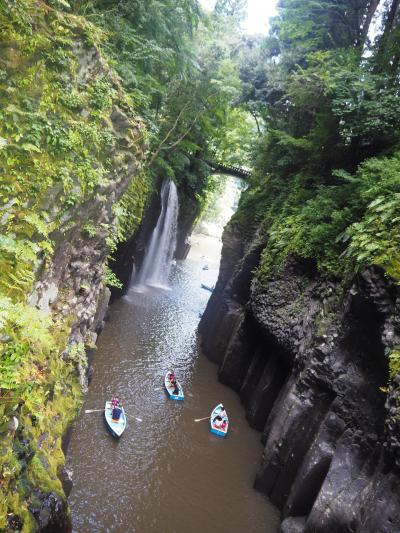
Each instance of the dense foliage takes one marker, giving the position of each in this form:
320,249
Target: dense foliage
57,153
178,65
63,161
314,107
324,86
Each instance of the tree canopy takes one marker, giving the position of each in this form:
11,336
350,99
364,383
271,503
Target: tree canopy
179,66
313,107
324,85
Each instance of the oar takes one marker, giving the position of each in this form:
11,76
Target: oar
98,410
200,419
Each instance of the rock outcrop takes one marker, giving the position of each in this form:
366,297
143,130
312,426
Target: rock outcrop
308,357
129,254
70,148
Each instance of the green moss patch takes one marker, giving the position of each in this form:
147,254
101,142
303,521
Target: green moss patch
58,152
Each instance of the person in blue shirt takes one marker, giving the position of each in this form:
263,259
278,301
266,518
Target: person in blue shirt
116,412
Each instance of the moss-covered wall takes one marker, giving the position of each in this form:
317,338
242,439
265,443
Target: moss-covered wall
70,146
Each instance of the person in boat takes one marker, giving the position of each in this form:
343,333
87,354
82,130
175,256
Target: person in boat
176,388
114,402
217,422
222,412
172,376
116,412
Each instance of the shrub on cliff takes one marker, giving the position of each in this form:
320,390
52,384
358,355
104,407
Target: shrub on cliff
69,146
326,180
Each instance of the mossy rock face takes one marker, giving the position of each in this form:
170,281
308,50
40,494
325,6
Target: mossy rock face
68,137
70,147
51,514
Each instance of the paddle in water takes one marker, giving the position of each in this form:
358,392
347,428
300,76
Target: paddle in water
200,419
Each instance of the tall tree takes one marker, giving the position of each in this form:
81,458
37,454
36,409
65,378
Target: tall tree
327,108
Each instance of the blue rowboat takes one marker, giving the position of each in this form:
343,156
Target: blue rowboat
221,432
170,388
116,427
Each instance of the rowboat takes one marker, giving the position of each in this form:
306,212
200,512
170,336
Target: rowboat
116,427
170,388
217,430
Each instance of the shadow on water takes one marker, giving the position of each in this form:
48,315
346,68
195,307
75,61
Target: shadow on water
167,474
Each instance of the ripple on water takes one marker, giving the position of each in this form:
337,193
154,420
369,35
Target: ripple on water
167,474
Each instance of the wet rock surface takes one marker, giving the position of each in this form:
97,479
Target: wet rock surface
51,514
293,525
130,254
70,285
66,477
308,357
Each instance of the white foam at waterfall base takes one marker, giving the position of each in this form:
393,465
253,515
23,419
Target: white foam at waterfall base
154,272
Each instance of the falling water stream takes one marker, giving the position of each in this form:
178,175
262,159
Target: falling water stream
167,473
158,258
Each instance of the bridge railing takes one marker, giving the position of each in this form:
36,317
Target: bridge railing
229,169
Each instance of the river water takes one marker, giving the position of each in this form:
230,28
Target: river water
167,473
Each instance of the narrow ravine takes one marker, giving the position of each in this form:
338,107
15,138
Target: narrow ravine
167,473
119,127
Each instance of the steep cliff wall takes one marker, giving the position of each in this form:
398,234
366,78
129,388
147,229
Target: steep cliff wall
129,254
308,357
70,146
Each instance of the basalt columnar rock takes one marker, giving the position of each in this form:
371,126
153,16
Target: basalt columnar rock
308,357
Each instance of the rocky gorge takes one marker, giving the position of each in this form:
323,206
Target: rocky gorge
73,191
307,355
98,107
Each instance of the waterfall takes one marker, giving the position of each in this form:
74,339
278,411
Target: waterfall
157,261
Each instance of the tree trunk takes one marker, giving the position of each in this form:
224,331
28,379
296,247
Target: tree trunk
382,63
391,17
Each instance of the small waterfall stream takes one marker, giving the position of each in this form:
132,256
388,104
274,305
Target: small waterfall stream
157,262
